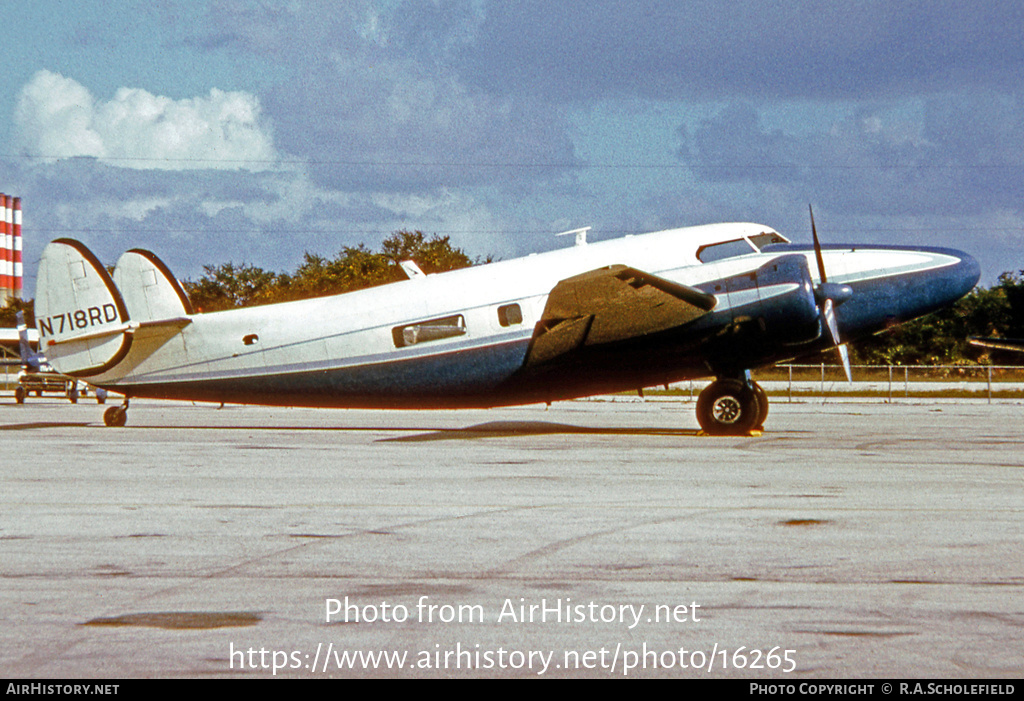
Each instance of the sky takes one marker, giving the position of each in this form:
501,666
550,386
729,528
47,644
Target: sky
253,132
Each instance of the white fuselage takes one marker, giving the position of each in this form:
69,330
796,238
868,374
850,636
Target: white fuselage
461,338
355,328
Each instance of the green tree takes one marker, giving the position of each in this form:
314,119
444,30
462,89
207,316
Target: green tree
354,268
941,338
357,267
8,313
434,256
1012,286
228,286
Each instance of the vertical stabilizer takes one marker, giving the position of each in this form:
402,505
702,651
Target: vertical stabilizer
81,316
149,290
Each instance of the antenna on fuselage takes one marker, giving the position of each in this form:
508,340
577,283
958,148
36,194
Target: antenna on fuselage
411,270
581,235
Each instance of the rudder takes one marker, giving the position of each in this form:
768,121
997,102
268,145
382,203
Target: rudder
149,290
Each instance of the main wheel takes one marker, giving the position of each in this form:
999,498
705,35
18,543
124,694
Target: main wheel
762,405
728,407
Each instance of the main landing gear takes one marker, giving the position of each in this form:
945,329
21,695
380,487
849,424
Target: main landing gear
732,407
116,416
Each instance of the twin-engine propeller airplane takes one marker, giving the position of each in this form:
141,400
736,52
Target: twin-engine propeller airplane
640,311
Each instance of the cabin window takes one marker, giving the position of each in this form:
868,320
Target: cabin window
510,315
426,331
726,249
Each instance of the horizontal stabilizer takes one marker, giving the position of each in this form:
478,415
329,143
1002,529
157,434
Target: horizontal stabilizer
80,314
149,290
612,304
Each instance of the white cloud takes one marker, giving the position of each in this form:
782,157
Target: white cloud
56,118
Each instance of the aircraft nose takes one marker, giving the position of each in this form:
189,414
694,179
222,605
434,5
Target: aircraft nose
920,281
940,282
960,278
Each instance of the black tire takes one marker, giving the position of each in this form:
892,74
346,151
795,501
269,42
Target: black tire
762,405
20,394
728,408
115,416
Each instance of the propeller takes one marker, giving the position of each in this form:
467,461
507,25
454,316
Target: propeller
830,295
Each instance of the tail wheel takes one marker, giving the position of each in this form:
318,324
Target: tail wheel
728,407
115,416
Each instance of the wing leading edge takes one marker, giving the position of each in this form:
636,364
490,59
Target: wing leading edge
612,304
1008,344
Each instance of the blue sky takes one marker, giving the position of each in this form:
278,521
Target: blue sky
254,131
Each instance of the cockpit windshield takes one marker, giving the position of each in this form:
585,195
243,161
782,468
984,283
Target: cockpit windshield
737,247
726,249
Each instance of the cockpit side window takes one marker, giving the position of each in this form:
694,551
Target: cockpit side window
762,240
726,249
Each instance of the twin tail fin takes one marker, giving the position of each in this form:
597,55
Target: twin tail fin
88,320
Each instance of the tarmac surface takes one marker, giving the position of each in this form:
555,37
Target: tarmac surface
592,539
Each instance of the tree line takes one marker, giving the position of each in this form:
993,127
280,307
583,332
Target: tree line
937,339
229,286
942,338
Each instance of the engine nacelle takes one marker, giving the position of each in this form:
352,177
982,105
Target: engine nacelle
788,307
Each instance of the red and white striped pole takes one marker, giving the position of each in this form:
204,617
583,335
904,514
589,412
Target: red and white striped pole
6,286
16,246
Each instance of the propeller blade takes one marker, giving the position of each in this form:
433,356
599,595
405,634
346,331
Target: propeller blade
817,248
844,358
828,292
829,312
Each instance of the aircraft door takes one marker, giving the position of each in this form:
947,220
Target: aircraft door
743,297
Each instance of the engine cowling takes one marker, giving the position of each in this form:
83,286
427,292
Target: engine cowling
788,308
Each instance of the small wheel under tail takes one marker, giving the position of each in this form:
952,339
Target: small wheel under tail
115,416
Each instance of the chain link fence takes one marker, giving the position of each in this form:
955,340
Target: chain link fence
881,382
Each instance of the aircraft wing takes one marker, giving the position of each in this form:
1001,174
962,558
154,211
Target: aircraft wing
1010,344
612,304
